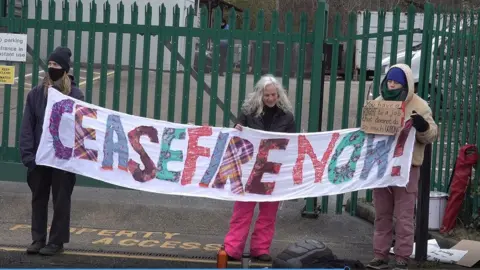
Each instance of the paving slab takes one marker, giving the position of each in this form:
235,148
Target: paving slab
113,224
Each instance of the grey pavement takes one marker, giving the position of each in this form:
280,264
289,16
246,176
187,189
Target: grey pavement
139,229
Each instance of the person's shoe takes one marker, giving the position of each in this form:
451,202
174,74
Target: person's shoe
230,258
377,263
264,258
35,247
400,265
51,249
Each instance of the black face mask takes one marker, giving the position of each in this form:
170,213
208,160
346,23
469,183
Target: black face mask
55,74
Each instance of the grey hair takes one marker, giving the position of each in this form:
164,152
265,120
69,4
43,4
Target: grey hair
253,104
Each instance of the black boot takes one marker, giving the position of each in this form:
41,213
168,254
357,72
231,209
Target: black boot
35,247
51,249
264,258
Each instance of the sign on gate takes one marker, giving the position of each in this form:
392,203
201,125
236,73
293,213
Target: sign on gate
13,47
7,74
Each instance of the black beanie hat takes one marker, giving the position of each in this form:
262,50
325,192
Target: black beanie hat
61,55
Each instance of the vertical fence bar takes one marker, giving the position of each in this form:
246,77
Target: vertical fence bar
65,20
215,68
332,94
379,52
448,84
104,57
395,29
352,18
91,52
453,57
78,39
409,38
147,37
361,91
173,68
468,115
21,84
201,67
117,79
424,61
51,31
131,60
228,80
460,95
316,91
440,50
287,48
300,71
243,60
474,74
7,92
187,66
477,141
36,42
11,15
333,90
257,69
468,61
433,97
159,70
272,61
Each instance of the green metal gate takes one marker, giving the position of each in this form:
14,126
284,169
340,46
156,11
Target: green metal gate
164,69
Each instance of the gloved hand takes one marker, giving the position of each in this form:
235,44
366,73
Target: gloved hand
419,123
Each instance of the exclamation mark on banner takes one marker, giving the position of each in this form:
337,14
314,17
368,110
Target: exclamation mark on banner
398,152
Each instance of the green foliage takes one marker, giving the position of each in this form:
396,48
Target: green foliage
268,7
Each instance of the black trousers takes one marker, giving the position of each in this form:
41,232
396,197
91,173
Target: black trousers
41,180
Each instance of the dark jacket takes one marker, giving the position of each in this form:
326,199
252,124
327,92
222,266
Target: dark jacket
281,122
32,122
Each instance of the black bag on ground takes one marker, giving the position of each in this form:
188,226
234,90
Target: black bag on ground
312,254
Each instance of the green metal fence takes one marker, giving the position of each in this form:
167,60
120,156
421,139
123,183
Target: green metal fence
164,64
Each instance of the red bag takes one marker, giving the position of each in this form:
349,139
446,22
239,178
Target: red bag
467,157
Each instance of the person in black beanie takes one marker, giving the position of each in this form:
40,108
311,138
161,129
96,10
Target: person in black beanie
42,179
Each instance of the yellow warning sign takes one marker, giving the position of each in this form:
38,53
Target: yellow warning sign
7,74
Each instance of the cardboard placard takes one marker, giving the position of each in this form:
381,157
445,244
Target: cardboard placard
473,252
383,117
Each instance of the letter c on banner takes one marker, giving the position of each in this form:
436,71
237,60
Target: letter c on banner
58,109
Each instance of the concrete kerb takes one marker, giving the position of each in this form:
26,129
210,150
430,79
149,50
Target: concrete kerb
366,211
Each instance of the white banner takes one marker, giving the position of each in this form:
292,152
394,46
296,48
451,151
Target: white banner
218,163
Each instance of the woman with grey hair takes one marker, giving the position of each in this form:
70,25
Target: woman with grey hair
269,109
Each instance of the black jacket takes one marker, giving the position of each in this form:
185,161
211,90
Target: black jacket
281,122
32,122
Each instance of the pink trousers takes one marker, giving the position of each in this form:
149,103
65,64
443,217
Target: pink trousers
398,202
240,222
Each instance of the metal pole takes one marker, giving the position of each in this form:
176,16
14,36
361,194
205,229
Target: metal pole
246,260
3,8
423,206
